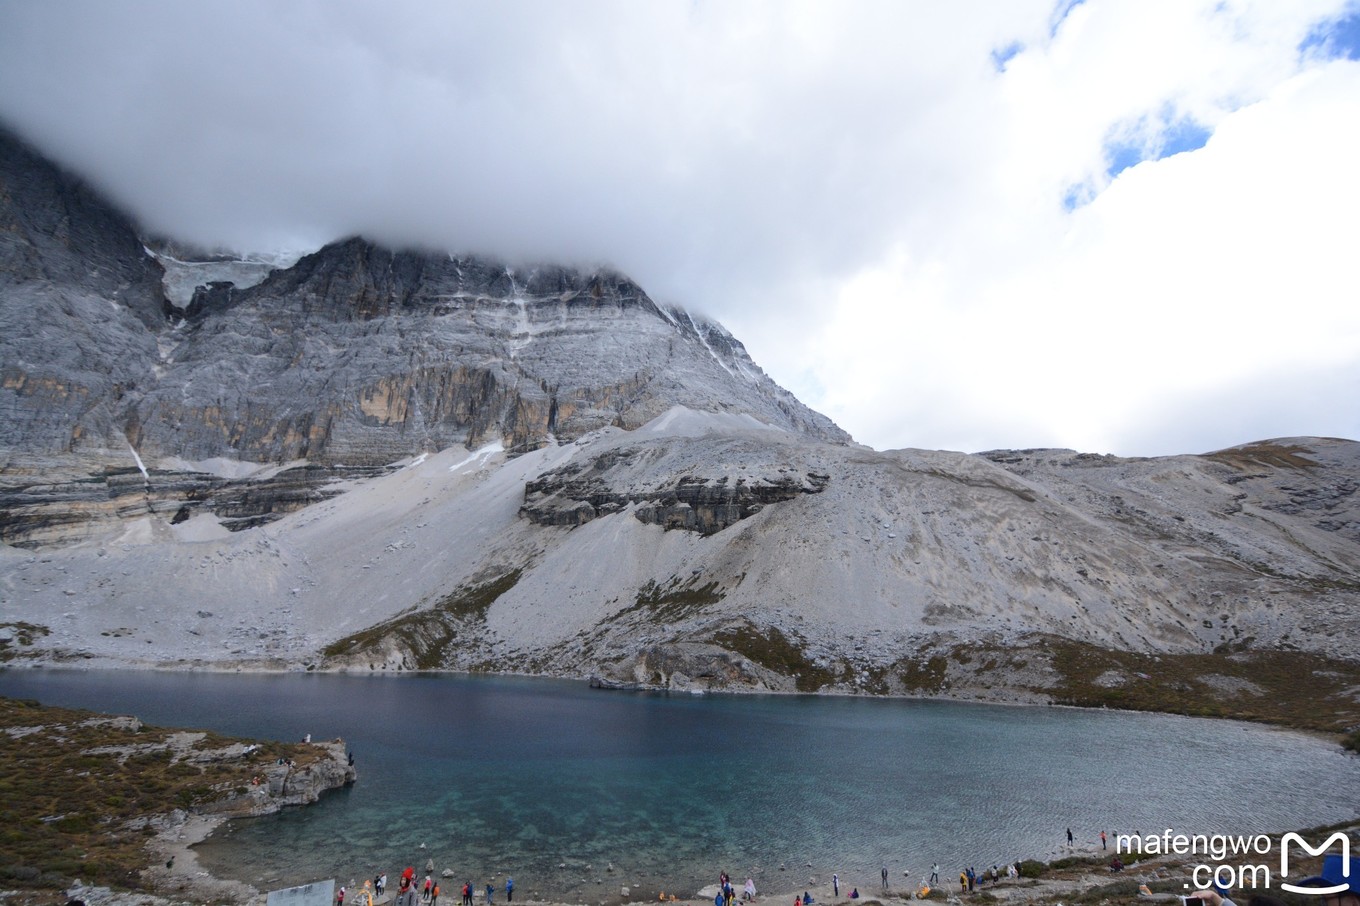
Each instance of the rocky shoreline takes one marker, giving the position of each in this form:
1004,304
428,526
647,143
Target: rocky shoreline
176,877
1073,876
95,797
282,786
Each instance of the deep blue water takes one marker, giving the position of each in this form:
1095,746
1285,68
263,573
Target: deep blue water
520,776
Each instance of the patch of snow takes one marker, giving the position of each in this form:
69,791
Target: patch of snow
183,277
481,456
206,527
681,421
704,340
521,335
140,466
231,469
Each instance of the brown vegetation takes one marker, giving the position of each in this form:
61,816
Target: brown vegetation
79,791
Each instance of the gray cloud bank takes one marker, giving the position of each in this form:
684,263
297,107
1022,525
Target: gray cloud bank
744,159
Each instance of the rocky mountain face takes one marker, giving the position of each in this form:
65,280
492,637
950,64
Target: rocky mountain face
117,400
387,461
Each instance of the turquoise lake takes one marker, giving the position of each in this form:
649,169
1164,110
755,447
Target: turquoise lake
553,782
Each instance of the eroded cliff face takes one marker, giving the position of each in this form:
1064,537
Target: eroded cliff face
386,461
288,784
349,359
676,493
396,353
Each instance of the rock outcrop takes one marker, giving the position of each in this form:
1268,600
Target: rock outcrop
694,500
285,785
435,462
349,359
691,667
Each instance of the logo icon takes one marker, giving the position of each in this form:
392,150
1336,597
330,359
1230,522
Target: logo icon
1326,844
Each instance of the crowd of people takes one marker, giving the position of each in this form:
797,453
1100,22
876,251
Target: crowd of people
1339,873
409,892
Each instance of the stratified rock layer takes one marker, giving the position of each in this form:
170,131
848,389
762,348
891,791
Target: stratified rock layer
434,462
352,358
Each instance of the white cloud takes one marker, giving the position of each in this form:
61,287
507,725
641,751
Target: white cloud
853,188
1167,297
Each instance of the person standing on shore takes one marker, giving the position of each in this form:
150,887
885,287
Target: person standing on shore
1102,840
835,885
1069,836
509,889
490,891
885,877
935,874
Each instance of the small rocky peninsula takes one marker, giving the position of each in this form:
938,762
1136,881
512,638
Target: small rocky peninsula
93,801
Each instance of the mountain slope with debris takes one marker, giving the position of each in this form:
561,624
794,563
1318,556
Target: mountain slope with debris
387,461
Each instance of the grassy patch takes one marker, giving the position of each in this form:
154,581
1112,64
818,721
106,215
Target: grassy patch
676,600
76,790
916,676
1264,454
1104,893
21,635
776,651
1298,689
427,633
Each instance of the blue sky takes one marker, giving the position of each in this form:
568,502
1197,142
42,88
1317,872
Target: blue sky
1113,225
1337,38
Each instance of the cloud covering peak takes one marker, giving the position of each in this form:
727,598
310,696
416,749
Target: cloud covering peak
1104,225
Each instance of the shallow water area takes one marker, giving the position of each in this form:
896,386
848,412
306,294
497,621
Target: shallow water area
577,792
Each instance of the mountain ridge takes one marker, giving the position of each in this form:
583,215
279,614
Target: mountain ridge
347,359
386,461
